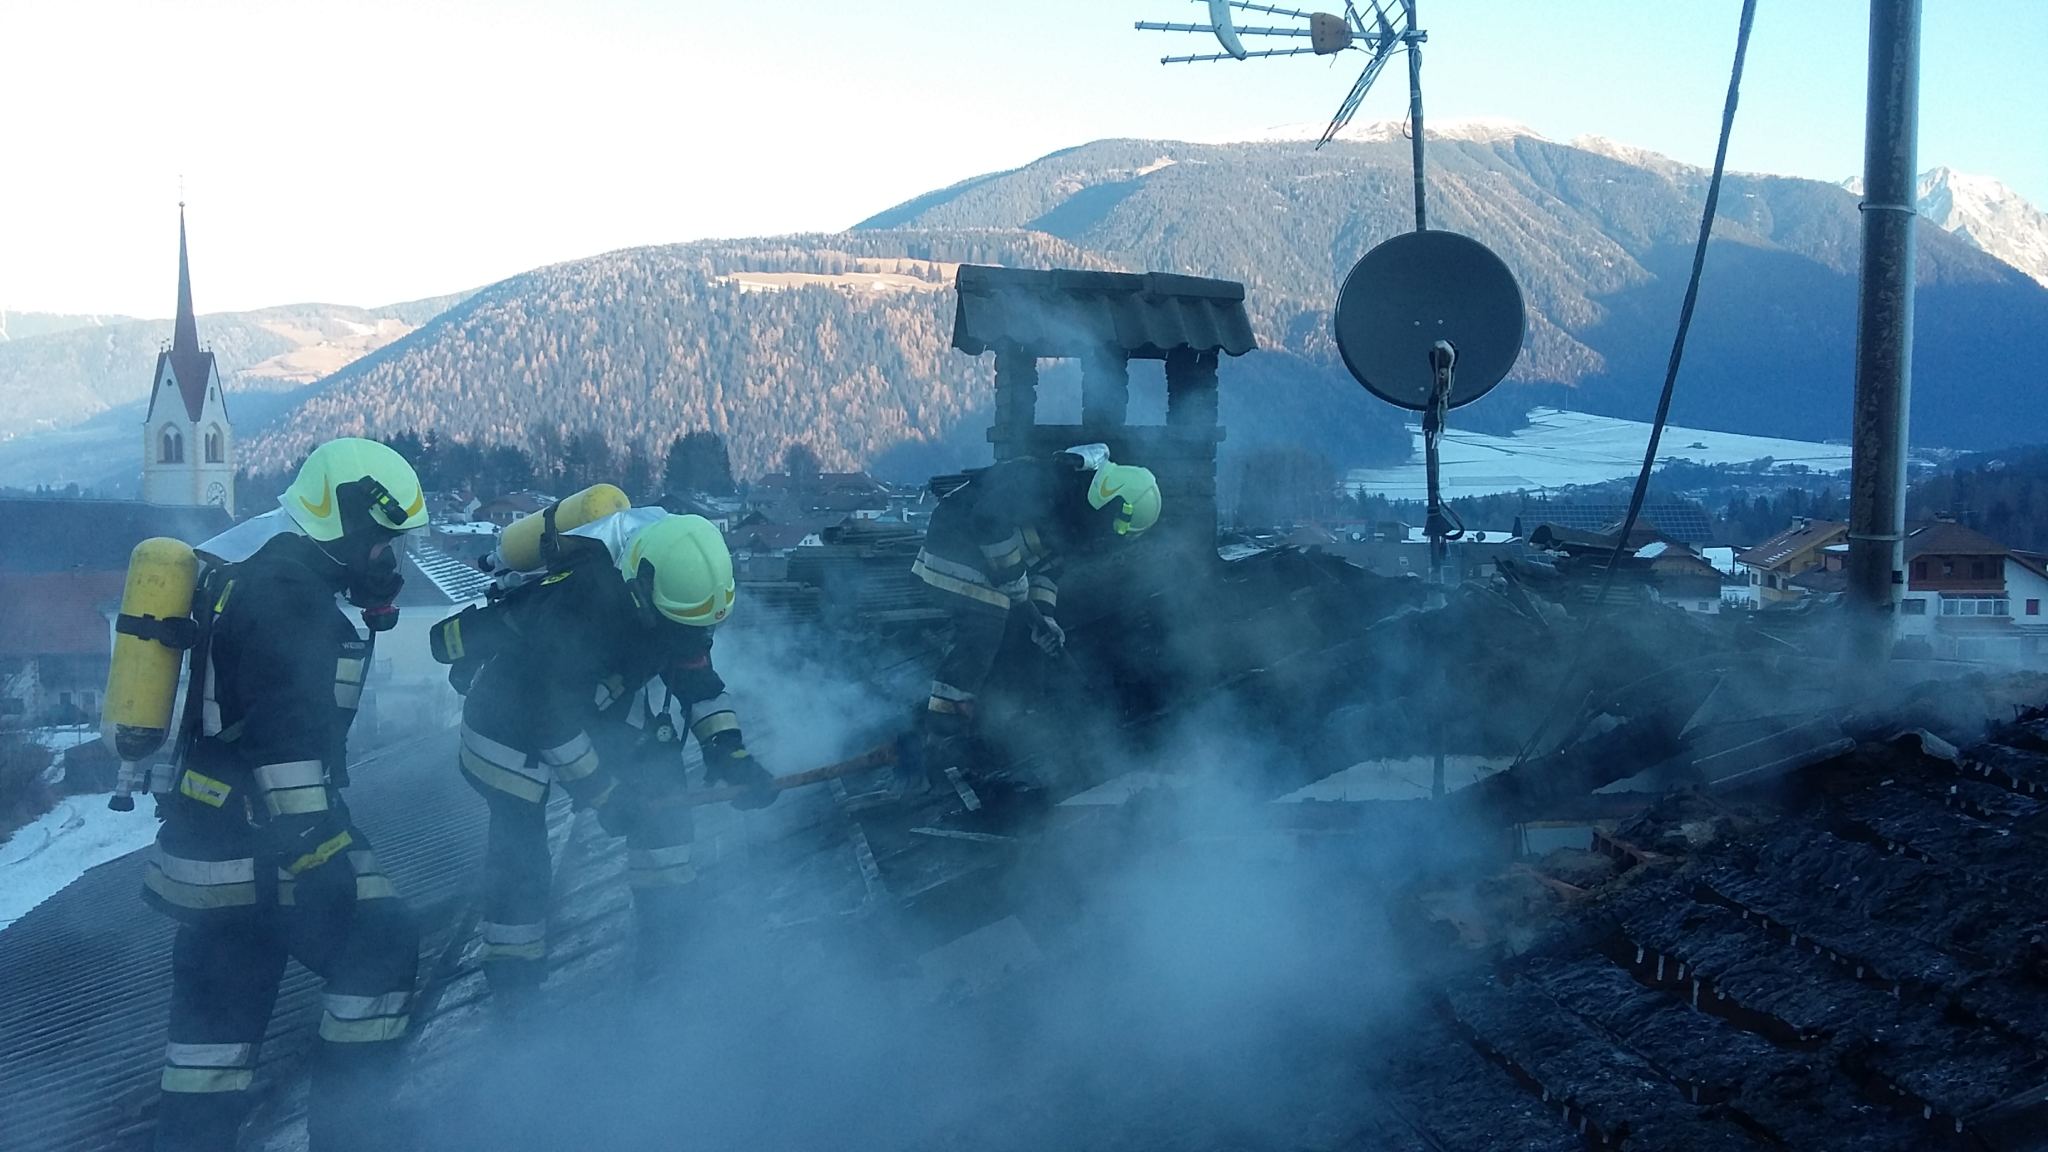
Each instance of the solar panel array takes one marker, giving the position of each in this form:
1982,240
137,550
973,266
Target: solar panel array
1685,521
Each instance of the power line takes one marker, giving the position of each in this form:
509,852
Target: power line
1692,291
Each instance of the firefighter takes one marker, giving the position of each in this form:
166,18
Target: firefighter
995,551
597,662
257,858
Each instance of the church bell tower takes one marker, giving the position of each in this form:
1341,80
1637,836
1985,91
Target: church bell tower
188,446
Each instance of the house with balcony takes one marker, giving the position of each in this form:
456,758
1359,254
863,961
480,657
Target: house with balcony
1956,605
1773,567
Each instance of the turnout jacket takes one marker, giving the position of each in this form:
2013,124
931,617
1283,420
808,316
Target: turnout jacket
1007,533
574,656
264,744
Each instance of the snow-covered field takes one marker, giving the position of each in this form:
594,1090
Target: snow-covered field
1558,449
79,833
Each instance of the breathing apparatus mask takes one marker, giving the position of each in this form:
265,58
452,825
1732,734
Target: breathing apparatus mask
367,550
669,637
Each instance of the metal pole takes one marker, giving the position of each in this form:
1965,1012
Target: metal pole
1884,329
1443,359
1415,38
1435,526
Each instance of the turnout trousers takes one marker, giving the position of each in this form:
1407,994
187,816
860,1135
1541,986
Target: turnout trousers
238,922
514,768
979,627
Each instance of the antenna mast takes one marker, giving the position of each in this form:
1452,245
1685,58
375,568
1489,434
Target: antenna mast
1382,29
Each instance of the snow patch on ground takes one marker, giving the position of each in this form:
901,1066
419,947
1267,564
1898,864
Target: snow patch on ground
67,736
1560,449
44,856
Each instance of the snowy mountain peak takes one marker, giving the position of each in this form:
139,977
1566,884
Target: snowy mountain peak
1992,217
1478,129
1630,154
1989,215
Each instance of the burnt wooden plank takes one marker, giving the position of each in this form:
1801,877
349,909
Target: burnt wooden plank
1463,1102
1615,1097
1720,1063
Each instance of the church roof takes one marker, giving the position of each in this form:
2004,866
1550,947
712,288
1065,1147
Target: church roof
191,365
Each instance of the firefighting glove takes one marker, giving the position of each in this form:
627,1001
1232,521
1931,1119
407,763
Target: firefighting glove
1048,635
727,761
315,853
617,813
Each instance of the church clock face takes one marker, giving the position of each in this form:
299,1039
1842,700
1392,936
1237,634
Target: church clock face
216,493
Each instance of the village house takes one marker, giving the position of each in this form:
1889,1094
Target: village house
1956,603
1772,566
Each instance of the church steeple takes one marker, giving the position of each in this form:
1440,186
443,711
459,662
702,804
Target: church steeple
191,366
185,337
188,446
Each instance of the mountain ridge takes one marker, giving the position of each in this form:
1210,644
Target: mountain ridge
841,341
66,375
807,339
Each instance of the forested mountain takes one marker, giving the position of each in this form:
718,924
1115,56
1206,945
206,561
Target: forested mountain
58,371
1600,238
840,341
22,325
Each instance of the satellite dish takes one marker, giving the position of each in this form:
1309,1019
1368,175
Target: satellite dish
1226,35
1414,290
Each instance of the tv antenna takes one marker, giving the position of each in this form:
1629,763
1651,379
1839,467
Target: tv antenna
1427,321
1381,29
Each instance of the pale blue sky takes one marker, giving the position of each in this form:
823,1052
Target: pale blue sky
383,150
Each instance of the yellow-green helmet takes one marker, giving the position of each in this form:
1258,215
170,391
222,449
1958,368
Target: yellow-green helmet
681,564
350,484
1136,487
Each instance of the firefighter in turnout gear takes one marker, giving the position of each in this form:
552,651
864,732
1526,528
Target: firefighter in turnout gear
257,858
588,674
994,553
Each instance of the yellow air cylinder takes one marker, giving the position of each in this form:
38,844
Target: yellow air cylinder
519,549
150,639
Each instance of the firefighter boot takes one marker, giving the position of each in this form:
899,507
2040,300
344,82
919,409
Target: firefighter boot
663,916
945,742
350,1106
199,1121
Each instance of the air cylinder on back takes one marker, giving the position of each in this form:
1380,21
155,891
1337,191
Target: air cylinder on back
519,549
150,637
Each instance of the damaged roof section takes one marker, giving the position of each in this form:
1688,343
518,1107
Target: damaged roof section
1066,312
1854,958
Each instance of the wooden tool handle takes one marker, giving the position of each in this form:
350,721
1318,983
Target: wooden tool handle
865,762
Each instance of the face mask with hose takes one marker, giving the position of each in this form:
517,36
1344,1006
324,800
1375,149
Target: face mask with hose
354,498
681,579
